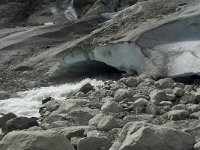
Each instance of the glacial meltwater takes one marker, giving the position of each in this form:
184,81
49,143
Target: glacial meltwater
28,102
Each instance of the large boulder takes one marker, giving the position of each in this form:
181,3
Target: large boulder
149,137
35,140
94,143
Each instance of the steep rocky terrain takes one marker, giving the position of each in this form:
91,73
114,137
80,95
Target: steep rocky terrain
143,54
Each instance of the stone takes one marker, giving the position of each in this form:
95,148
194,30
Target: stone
107,123
141,102
178,115
73,131
179,85
156,138
171,97
195,115
86,88
94,143
35,140
166,103
193,108
179,107
122,94
94,133
130,81
151,108
19,123
96,119
165,83
158,96
187,98
47,100
179,92
197,146
5,118
112,107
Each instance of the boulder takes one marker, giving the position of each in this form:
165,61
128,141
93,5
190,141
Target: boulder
19,123
112,107
108,123
179,107
5,118
197,146
193,108
122,94
158,96
156,138
35,140
179,92
151,108
130,81
94,143
178,114
86,88
141,102
165,83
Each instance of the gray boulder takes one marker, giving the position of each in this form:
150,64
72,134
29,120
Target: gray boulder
35,140
94,143
165,83
156,138
112,107
178,114
158,96
86,88
108,123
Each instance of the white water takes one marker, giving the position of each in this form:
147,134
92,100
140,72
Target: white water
28,102
70,12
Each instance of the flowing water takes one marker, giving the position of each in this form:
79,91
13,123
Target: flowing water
28,102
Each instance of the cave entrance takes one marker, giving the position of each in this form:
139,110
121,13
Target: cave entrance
87,69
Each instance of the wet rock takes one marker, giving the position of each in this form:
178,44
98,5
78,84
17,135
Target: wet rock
179,85
154,137
19,123
86,88
94,143
108,123
5,118
165,83
35,140
47,100
178,115
112,107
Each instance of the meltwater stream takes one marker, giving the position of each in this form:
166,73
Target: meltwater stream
28,102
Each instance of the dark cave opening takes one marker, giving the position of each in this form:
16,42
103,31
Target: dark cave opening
87,69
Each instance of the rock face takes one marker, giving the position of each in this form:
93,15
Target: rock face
45,140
